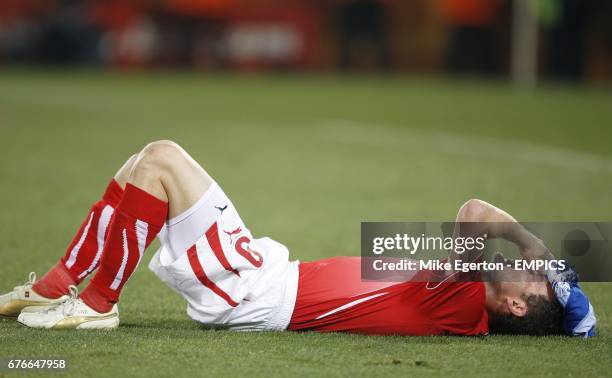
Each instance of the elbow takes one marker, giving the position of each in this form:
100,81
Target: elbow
473,210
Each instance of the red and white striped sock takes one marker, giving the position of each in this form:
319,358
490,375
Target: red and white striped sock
138,219
84,252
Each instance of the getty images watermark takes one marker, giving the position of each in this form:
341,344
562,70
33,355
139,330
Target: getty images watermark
422,251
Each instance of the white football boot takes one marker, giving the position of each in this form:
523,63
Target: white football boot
14,302
71,314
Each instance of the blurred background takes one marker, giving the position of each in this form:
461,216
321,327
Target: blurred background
569,40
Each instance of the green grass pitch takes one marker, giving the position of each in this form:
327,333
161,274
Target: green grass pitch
305,160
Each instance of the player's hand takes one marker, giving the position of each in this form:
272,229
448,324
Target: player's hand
536,250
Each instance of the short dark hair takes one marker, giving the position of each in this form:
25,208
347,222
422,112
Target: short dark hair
543,317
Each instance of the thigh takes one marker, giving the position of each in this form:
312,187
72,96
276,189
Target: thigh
185,183
212,210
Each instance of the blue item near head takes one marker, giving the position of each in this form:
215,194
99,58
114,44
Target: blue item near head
578,314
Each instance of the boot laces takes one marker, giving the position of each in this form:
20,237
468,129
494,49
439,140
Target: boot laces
28,284
69,306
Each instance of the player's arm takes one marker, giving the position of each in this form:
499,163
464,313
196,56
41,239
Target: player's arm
479,218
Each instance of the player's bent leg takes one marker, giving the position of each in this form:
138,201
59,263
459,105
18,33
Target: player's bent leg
167,171
84,253
163,172
81,258
123,174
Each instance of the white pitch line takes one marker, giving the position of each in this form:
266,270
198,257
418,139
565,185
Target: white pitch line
345,131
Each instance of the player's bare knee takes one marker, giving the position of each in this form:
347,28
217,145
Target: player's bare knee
131,160
161,154
162,143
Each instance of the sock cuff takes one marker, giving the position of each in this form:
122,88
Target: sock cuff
139,204
99,298
55,282
113,193
61,270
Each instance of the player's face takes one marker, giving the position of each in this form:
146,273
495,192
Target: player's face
518,283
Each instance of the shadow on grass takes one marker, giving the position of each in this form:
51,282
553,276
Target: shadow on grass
162,324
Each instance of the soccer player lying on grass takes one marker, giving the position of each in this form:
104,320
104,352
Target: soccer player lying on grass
231,280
